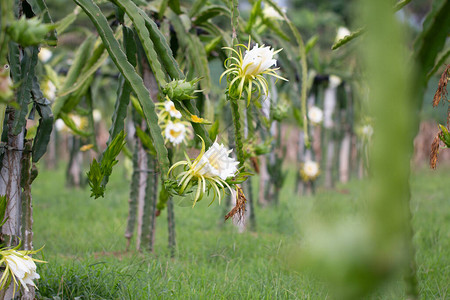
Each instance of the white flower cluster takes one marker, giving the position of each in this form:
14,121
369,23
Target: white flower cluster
170,108
169,118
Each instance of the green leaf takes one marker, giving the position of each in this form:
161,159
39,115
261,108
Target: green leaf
195,51
3,204
298,116
95,178
65,22
433,36
81,56
445,135
216,31
45,126
311,43
23,98
95,61
400,4
40,8
162,48
256,11
144,36
428,45
348,38
175,6
146,141
99,173
213,44
440,61
124,90
211,12
275,27
195,8
127,70
214,130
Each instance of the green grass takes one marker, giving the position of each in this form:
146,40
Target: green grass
85,245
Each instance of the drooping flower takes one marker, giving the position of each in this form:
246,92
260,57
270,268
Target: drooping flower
175,132
210,169
310,170
246,71
19,266
170,108
315,115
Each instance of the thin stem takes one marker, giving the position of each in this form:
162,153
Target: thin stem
237,131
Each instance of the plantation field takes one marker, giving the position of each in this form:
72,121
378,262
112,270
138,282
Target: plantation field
85,244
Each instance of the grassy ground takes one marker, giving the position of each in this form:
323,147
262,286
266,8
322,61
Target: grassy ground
85,245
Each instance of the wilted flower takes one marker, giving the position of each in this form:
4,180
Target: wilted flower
271,13
175,132
342,32
247,70
45,55
309,170
19,266
315,115
212,168
170,108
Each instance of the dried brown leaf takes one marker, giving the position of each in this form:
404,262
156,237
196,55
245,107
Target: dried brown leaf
239,209
441,92
434,151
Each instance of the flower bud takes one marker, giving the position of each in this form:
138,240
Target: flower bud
181,89
28,32
280,112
